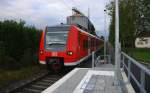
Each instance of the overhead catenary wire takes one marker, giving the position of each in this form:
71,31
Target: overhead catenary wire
65,4
75,3
68,5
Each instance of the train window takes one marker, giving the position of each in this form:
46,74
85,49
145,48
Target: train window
92,43
56,37
56,41
85,44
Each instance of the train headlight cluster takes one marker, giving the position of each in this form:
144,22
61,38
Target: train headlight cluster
70,53
41,52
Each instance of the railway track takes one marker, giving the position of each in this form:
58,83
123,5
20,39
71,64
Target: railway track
38,85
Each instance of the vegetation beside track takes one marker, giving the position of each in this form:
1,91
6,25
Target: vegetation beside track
12,76
19,46
142,55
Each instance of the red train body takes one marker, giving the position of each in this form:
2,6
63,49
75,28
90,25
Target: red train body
66,45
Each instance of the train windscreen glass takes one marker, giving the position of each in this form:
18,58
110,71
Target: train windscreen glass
56,41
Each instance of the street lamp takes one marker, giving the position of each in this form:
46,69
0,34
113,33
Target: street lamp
105,36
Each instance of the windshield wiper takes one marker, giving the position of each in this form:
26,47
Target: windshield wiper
57,43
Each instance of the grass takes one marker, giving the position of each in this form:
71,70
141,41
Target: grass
7,76
142,55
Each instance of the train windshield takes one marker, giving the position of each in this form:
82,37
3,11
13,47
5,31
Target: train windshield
56,41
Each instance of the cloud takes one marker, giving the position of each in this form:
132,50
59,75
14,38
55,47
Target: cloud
51,12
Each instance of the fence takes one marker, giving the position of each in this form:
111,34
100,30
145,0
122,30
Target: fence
98,59
138,75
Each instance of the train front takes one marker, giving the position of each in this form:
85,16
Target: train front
53,47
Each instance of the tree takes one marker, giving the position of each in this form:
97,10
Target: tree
134,19
18,42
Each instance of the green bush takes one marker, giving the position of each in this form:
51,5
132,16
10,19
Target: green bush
140,54
18,44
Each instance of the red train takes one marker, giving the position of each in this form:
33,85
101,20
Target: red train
67,45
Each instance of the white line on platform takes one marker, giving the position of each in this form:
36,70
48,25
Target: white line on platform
61,81
82,85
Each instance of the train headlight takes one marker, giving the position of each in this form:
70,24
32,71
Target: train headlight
69,52
41,52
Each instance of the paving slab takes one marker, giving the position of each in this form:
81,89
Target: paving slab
87,80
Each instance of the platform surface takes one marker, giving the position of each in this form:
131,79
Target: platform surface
87,80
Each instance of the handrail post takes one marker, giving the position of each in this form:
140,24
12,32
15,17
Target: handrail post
123,61
93,59
119,62
143,73
142,81
129,70
109,60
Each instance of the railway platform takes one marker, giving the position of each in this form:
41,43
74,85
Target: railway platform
100,79
128,77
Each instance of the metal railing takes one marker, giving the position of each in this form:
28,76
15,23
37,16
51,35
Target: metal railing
138,75
96,59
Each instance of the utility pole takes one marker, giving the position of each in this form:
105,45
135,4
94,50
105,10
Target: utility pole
117,54
89,13
105,35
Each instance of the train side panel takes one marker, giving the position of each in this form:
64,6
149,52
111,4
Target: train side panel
83,44
42,50
72,47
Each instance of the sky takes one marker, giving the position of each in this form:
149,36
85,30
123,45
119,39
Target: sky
42,13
